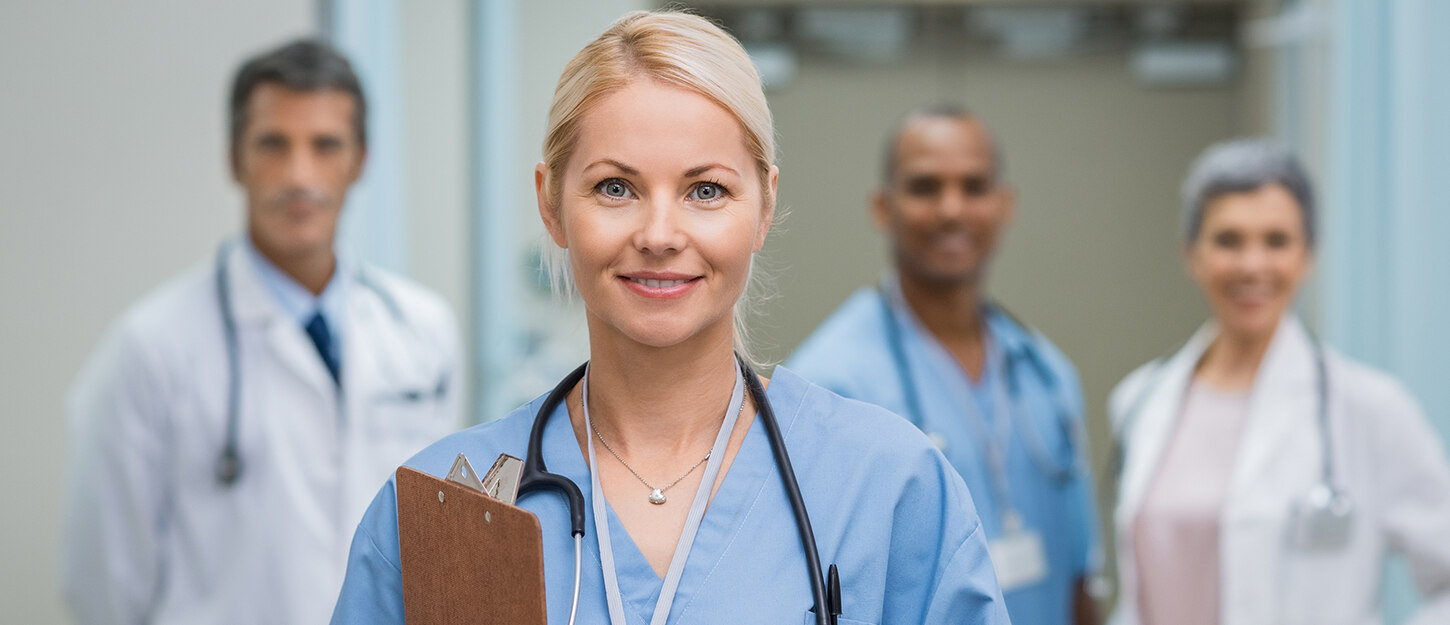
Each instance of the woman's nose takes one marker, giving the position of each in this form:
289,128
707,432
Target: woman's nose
660,232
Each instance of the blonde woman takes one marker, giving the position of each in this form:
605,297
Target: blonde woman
658,180
1266,477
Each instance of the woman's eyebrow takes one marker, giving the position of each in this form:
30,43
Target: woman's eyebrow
695,171
615,164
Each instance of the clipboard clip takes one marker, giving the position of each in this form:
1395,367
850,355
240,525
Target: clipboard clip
501,482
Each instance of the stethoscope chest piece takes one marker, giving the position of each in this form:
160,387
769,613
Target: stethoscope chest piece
1323,519
228,467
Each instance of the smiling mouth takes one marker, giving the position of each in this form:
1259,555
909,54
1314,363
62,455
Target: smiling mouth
1250,294
658,284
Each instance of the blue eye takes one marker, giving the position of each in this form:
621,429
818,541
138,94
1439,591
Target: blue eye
706,192
614,188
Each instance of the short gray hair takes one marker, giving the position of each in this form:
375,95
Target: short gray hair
1239,166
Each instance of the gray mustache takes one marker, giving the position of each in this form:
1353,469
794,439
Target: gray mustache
309,195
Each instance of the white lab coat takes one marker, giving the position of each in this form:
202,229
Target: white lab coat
1386,456
152,536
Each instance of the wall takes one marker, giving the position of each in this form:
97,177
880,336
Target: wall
115,178
434,65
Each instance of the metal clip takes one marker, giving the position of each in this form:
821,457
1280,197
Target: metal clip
463,473
502,480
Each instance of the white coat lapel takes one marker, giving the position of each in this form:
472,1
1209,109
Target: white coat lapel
382,358
1283,397
257,310
362,348
1149,430
359,378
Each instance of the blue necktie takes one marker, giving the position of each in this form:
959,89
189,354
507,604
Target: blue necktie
322,339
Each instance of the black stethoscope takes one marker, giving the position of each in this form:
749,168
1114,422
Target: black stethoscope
1013,359
826,592
229,462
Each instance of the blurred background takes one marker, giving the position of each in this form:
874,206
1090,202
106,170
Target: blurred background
113,161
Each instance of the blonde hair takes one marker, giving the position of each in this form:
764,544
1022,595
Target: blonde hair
675,48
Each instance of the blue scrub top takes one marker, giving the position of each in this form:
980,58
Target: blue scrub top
886,508
851,354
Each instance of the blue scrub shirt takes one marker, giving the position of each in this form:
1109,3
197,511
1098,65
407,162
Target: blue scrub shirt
851,354
885,506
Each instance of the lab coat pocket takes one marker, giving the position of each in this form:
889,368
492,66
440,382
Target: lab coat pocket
408,418
810,619
1317,590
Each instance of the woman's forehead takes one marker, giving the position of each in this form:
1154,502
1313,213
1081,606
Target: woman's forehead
650,125
1271,205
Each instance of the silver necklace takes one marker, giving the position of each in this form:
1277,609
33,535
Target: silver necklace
656,493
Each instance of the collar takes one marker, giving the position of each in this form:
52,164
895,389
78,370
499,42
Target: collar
1285,378
1003,331
1289,359
295,301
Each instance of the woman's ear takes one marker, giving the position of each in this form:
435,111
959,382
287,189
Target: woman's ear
548,213
768,219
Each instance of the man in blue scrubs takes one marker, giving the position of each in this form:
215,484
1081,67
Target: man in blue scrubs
999,400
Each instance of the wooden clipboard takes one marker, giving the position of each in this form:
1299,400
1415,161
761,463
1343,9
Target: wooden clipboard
467,557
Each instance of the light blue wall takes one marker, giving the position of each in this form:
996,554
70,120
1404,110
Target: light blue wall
375,220
1386,256
493,85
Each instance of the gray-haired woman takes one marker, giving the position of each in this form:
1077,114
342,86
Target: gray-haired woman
1265,476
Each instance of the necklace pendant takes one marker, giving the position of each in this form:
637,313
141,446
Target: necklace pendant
657,497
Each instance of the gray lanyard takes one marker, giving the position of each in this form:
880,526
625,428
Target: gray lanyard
692,521
995,444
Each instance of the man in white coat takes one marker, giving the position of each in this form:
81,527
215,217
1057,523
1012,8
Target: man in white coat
232,427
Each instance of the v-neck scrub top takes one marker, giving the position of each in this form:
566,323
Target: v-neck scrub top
886,508
852,354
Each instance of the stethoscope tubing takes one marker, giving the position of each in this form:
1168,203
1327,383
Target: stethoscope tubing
825,612
229,462
535,477
1011,361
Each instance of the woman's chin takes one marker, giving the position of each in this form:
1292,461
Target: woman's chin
1254,323
658,335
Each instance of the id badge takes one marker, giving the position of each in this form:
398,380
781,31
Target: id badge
1019,557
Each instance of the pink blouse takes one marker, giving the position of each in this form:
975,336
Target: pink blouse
1176,534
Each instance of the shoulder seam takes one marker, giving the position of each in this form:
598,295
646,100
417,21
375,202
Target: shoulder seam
379,550
955,552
